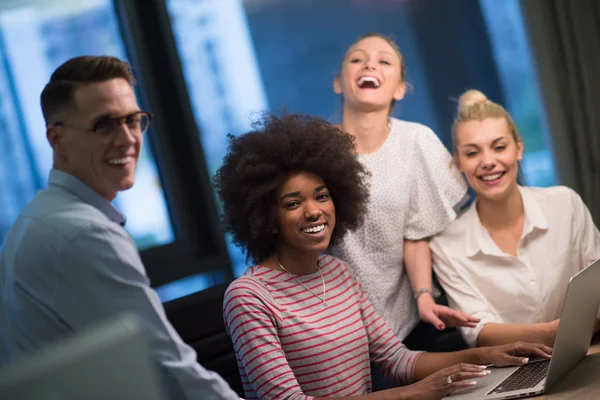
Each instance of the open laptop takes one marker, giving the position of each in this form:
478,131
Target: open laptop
109,361
572,342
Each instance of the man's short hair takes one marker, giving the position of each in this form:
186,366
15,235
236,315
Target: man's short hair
76,72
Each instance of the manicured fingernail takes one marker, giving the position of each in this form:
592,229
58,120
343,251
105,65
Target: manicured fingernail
442,327
472,383
525,360
485,373
482,366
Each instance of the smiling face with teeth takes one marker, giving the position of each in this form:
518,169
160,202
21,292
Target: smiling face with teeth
106,163
371,75
489,156
305,216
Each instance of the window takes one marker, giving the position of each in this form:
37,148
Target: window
240,57
511,52
35,38
221,71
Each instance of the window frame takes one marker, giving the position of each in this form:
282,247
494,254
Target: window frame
174,138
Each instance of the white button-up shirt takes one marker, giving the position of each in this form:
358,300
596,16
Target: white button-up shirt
559,239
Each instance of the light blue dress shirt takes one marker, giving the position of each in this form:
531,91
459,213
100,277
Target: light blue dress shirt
68,263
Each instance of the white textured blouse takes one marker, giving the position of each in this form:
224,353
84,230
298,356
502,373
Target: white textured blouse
559,239
413,190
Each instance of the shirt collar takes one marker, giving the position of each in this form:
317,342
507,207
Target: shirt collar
84,192
478,239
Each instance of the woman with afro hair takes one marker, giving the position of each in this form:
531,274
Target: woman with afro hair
300,323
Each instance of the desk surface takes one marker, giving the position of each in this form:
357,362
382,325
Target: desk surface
582,383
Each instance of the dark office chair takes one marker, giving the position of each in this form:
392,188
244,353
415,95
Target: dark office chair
198,318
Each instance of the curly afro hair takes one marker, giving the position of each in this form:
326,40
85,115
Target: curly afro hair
259,163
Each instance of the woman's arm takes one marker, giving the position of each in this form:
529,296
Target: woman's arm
493,334
587,235
433,387
432,370
511,354
398,363
417,259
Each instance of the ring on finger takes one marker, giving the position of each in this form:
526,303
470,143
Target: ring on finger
449,379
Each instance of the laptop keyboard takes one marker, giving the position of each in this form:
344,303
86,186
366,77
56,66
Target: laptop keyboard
525,377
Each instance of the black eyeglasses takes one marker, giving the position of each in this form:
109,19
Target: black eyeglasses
136,122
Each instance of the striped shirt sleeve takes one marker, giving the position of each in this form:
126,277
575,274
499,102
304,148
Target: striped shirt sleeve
387,351
251,320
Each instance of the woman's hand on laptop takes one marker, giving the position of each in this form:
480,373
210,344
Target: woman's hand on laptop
444,382
517,353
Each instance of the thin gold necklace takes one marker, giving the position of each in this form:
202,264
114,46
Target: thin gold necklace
306,287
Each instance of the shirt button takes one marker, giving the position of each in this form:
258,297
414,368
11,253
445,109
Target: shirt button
532,283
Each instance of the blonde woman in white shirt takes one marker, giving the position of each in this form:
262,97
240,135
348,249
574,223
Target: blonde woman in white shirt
507,259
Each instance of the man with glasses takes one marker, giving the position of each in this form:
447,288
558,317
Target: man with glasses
67,262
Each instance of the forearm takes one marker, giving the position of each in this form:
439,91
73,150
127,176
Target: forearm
417,259
494,334
399,393
429,363
110,278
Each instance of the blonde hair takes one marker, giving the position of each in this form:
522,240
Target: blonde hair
475,106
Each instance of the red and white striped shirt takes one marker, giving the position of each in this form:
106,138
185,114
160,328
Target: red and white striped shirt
291,345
